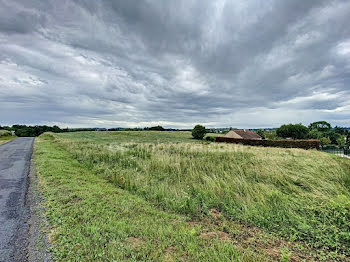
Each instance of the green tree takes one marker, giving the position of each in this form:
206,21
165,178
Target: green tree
198,132
333,136
155,128
297,131
271,135
325,141
341,141
315,134
261,133
322,126
23,130
339,130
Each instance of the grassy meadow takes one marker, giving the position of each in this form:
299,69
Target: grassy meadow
162,196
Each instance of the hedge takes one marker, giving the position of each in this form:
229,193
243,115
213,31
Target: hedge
305,144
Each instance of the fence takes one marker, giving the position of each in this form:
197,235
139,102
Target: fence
305,144
337,151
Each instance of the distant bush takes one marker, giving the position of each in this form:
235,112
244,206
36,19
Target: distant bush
210,138
5,133
155,128
198,132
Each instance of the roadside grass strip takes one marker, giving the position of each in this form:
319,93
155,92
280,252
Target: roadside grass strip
4,139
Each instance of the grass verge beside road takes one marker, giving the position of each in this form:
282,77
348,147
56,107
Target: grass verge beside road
4,139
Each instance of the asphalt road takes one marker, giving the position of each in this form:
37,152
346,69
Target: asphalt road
14,168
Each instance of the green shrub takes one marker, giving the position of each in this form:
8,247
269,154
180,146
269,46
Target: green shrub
325,141
210,138
5,133
198,132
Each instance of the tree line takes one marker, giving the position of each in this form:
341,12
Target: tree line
31,131
321,130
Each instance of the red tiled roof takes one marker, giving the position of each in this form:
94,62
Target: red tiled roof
246,134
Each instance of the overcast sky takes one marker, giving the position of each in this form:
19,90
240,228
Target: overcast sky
175,63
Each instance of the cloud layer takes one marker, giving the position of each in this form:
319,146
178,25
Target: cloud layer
175,63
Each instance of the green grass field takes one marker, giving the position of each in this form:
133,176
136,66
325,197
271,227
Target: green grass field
162,196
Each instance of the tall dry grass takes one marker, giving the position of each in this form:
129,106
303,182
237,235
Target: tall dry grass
302,195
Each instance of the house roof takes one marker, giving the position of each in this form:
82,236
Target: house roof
245,134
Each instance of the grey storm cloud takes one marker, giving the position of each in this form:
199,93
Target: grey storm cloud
174,63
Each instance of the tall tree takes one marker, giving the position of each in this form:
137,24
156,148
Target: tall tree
322,126
198,132
297,131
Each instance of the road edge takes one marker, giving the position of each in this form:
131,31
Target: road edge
38,246
8,141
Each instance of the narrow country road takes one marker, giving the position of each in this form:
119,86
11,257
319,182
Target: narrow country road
14,167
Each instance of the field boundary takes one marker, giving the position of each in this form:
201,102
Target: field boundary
304,144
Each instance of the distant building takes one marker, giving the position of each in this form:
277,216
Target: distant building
243,134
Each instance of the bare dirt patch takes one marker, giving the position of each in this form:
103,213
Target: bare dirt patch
135,242
215,235
170,250
215,214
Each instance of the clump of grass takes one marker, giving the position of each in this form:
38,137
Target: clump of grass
298,194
